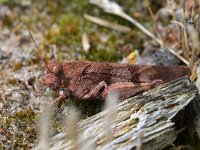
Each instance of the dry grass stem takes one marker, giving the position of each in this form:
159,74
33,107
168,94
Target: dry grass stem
177,22
194,35
171,48
107,24
111,107
186,50
172,5
155,27
44,123
71,122
113,8
140,140
141,27
179,56
85,42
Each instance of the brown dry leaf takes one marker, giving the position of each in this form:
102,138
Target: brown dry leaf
85,42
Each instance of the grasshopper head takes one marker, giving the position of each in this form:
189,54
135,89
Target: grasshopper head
54,77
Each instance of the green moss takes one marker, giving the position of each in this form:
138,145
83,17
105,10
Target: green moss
69,25
20,129
3,1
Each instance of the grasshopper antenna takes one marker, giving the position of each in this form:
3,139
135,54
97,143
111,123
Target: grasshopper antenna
38,51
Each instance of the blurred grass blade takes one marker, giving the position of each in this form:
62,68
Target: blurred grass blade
85,42
107,24
113,8
111,107
44,124
71,124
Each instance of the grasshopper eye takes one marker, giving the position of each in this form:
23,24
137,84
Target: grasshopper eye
55,67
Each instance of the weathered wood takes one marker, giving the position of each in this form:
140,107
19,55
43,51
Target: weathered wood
161,114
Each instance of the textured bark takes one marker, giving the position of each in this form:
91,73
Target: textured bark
161,114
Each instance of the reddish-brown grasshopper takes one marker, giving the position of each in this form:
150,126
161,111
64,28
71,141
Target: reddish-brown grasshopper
93,80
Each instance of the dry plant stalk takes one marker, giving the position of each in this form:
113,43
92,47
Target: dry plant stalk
178,56
85,42
155,27
44,123
115,9
140,140
172,5
110,106
171,48
186,48
141,27
107,24
71,122
194,35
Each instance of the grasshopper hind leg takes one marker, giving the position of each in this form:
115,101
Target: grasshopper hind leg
129,89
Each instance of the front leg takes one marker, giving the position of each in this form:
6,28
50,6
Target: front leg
62,96
129,89
96,90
